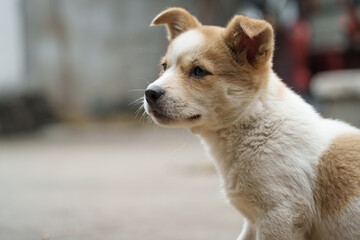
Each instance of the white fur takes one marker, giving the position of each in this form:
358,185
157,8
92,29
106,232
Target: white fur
269,174
168,74
186,42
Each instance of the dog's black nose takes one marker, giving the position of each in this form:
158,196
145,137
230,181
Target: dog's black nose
153,94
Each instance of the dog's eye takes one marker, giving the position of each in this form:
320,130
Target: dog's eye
199,72
164,67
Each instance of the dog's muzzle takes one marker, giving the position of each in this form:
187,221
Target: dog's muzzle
153,94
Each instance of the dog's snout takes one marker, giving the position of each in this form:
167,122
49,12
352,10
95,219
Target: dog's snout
153,94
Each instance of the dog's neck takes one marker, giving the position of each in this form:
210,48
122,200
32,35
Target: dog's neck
263,118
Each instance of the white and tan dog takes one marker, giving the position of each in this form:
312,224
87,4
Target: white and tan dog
290,172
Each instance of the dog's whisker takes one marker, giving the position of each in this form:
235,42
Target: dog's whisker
173,152
139,109
137,112
136,90
139,100
143,116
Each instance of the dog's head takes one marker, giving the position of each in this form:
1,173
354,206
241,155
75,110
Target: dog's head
209,74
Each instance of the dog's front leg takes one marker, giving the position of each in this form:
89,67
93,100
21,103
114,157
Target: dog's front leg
280,225
247,232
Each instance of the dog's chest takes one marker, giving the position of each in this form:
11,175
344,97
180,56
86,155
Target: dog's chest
237,169
239,151
247,162
236,153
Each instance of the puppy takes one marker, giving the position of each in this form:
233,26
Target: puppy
290,172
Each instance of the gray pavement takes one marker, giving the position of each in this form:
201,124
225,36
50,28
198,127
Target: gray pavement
111,183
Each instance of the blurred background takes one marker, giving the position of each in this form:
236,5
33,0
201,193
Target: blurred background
78,160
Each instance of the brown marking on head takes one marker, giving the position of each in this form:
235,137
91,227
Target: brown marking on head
177,20
338,176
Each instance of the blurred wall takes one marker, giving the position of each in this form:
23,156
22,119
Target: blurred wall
86,55
11,45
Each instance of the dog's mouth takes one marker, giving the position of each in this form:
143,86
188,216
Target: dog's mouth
166,118
194,117
161,116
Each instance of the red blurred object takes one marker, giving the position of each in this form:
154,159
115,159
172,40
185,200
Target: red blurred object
351,21
300,47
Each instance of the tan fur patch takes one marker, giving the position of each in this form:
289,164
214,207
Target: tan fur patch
338,179
177,20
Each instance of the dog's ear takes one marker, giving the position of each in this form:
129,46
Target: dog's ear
178,20
250,40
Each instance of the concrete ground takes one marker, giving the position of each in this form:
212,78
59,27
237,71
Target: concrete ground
111,183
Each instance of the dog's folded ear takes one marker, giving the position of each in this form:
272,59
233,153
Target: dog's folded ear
178,20
250,40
